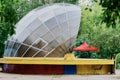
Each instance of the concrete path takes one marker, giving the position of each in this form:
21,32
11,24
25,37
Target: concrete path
6,76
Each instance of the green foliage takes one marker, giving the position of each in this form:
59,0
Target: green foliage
94,55
79,54
66,1
108,42
90,21
96,32
11,11
117,59
82,54
118,66
111,12
80,41
7,21
54,1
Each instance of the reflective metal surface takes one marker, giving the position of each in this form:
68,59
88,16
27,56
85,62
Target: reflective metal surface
50,31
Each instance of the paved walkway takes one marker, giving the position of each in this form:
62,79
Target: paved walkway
6,76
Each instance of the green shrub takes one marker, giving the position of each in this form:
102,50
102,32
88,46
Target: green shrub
88,28
117,59
80,54
96,32
118,66
108,42
94,55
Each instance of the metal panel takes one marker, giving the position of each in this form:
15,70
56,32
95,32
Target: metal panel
49,31
94,69
70,69
33,69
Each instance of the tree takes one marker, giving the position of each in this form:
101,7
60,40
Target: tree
111,11
11,11
8,19
96,32
108,42
90,27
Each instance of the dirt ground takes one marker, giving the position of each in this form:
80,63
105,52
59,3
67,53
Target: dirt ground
6,76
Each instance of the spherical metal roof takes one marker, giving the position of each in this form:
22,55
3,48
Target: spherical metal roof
49,31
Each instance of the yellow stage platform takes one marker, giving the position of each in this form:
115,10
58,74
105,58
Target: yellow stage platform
55,61
83,66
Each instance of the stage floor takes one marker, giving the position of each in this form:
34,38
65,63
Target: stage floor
55,61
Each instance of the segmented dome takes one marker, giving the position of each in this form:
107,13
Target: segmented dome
49,31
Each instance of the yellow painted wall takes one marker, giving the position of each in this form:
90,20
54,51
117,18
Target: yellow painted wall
84,66
94,69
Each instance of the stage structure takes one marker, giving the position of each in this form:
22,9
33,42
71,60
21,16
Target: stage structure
49,31
42,39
